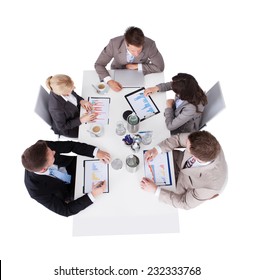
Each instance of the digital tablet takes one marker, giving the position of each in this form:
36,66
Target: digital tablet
143,106
95,172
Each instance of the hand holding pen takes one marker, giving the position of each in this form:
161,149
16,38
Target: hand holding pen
151,154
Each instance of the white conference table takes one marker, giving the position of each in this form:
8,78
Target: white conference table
126,209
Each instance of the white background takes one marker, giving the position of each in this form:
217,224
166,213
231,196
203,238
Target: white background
208,39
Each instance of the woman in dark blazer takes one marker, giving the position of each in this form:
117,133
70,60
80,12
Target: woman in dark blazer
64,106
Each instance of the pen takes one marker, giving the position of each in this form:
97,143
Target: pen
147,131
95,88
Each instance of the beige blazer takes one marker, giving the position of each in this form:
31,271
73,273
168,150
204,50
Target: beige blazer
150,57
193,185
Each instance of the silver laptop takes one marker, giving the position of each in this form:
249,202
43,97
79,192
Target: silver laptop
129,78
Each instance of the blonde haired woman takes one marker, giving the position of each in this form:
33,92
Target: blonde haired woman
64,106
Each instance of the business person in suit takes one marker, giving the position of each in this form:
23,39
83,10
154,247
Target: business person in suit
200,171
50,176
132,51
64,106
185,103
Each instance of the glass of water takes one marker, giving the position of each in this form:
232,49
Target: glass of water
147,137
120,128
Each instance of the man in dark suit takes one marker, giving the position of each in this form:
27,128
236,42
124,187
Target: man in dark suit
50,176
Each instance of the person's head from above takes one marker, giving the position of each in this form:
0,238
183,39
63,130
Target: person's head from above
60,84
38,157
203,146
134,39
187,88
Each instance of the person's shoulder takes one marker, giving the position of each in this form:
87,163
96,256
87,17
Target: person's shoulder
148,40
117,39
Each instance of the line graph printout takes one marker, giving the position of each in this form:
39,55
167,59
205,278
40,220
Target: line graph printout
142,105
101,107
158,169
95,171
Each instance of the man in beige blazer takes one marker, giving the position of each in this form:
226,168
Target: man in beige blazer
200,171
132,51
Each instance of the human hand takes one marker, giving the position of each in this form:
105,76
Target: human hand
88,117
151,154
148,185
103,156
114,85
98,188
150,90
169,103
86,105
132,66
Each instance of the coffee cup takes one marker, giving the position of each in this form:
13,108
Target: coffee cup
102,88
96,130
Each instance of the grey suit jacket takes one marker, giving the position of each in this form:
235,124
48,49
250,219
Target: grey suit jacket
150,57
65,115
184,118
193,185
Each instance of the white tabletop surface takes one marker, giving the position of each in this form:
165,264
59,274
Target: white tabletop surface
126,209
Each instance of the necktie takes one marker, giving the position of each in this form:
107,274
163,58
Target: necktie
189,163
65,177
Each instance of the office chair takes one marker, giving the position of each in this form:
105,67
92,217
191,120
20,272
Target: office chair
215,105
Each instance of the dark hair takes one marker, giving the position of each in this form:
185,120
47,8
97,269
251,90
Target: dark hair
34,158
134,36
204,145
187,88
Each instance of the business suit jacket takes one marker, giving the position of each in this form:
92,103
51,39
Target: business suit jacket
65,115
52,192
193,185
184,118
150,57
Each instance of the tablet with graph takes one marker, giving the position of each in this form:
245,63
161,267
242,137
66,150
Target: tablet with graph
95,171
158,169
142,105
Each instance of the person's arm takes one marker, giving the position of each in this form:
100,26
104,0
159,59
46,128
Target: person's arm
175,141
61,207
71,146
188,200
104,58
155,63
60,121
160,87
173,122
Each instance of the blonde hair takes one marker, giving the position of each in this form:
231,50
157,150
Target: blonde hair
60,84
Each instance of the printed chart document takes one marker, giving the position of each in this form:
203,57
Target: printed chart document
101,107
95,171
158,169
142,105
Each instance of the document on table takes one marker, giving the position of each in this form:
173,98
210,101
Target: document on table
158,169
95,171
101,107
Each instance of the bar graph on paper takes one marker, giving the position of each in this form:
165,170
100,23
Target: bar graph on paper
158,169
143,105
101,107
95,171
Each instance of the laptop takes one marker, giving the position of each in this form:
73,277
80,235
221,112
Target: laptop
129,78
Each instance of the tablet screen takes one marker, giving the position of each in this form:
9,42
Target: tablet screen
142,105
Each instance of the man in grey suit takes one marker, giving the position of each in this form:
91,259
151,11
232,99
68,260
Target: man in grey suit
132,51
200,171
